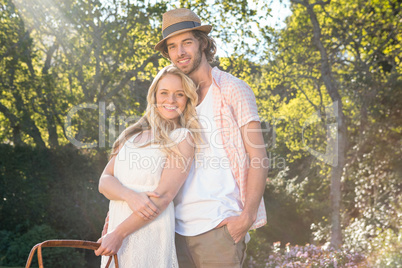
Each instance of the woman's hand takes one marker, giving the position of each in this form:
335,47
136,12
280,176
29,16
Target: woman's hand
110,244
141,205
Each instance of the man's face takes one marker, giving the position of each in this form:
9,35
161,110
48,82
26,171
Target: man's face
185,52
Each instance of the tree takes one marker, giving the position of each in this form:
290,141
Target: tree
15,60
70,53
333,91
95,54
324,56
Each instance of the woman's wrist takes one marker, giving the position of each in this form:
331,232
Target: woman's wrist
120,232
128,194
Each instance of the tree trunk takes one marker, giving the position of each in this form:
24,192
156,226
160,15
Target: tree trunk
25,121
337,169
48,103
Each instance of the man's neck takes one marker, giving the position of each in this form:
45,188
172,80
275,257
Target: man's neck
202,77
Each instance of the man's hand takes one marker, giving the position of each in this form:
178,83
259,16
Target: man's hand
110,244
237,226
141,205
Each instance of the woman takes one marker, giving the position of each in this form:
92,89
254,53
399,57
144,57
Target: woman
154,154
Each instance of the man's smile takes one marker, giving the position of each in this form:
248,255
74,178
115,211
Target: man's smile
184,61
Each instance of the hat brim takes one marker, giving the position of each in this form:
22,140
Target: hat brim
203,28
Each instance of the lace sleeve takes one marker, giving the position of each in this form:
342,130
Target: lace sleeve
179,134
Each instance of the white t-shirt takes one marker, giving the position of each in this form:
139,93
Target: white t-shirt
210,193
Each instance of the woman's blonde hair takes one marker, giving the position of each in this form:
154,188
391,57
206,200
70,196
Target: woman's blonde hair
161,127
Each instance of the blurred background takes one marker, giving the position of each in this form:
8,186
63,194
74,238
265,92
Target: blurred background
327,77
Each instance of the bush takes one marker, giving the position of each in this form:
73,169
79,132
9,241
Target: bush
15,249
310,256
368,236
387,249
55,188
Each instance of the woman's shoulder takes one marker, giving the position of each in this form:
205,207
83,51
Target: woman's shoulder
179,134
128,142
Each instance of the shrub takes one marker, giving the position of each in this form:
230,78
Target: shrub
15,249
387,249
310,256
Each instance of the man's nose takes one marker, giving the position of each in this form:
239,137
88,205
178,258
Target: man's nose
180,50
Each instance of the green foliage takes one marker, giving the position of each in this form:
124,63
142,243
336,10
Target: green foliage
68,53
310,256
24,172
387,248
52,193
362,41
71,52
18,247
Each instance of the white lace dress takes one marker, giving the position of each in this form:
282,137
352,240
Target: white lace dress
153,245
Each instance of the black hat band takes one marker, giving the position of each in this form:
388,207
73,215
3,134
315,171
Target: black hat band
179,26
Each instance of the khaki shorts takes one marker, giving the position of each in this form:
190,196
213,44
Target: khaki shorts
215,248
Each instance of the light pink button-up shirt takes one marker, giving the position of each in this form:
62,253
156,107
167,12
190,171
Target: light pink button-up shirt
235,106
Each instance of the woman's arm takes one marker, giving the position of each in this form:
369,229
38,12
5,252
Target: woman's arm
172,178
112,189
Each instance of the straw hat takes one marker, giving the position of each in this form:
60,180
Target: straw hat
178,21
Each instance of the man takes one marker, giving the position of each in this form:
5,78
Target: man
216,201
222,197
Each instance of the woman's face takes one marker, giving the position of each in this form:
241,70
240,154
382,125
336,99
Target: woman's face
170,97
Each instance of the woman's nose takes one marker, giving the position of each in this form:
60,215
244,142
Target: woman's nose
172,98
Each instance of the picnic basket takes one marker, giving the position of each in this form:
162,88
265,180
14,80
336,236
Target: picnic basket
66,244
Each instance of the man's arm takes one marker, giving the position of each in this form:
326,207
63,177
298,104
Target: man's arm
172,178
256,179
258,171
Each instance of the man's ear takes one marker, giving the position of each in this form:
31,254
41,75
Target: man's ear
204,45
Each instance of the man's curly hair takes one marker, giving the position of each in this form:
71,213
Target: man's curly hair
203,38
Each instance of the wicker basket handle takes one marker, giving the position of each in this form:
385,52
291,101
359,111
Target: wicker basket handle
66,244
